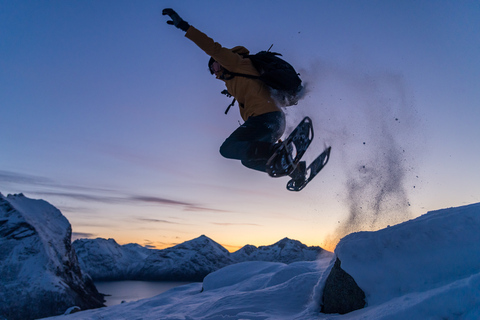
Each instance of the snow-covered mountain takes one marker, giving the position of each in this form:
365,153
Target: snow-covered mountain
426,268
105,259
190,261
39,271
285,250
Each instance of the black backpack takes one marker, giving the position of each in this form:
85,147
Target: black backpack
276,73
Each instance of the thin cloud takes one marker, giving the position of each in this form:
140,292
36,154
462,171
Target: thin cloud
93,194
82,235
158,200
81,196
9,177
132,200
114,199
197,208
19,178
236,224
187,206
157,221
72,209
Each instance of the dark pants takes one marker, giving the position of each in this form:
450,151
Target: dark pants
252,142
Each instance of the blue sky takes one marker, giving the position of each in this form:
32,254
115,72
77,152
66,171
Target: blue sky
111,115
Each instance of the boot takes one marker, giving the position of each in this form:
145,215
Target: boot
281,163
298,175
260,150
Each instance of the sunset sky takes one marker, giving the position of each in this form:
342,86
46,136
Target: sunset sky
111,115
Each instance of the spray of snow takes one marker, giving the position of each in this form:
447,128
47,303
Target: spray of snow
369,118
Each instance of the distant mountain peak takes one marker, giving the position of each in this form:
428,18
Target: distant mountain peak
285,241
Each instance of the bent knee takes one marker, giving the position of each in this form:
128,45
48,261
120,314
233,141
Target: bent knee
226,151
234,149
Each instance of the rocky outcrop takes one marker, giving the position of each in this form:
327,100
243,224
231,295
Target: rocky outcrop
341,293
40,274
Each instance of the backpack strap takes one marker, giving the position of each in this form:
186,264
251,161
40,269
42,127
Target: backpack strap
230,105
225,92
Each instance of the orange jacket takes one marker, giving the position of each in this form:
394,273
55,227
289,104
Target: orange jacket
253,95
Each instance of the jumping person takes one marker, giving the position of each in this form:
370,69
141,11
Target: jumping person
255,141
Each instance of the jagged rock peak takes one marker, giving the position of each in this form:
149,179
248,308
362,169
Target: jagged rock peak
40,272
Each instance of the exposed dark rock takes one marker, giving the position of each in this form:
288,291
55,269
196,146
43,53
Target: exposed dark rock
341,293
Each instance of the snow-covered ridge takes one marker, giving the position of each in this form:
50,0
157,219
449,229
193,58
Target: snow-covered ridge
426,268
434,250
39,271
192,260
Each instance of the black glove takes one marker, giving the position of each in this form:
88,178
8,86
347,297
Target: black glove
176,20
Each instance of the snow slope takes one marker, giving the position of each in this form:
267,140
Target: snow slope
426,268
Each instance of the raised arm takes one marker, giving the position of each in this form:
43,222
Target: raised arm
228,59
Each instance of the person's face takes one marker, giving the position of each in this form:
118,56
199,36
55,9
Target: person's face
217,69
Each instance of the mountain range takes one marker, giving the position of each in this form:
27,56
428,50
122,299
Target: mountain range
105,259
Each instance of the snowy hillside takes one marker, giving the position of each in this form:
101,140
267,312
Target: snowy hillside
39,272
426,268
105,259
190,261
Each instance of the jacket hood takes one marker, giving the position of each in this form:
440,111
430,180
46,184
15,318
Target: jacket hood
240,50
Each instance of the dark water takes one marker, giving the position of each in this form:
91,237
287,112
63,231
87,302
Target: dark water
133,290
